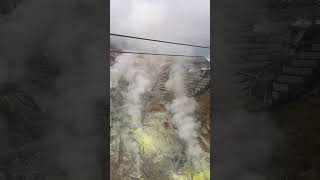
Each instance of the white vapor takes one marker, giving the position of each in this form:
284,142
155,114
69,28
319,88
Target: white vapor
183,109
137,74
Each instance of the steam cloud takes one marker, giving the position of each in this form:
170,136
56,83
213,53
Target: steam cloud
137,73
183,109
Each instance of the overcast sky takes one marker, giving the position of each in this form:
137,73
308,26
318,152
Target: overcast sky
186,21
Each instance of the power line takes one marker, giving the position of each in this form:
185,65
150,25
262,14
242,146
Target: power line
161,41
154,54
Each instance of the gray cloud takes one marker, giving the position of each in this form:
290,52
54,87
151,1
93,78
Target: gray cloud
181,21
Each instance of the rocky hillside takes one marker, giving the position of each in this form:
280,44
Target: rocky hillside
197,85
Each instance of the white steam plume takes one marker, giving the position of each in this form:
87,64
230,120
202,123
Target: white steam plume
137,72
183,109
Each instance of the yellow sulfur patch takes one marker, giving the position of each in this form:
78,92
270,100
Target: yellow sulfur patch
147,142
191,174
201,175
179,177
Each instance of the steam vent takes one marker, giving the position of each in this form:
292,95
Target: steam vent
170,138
